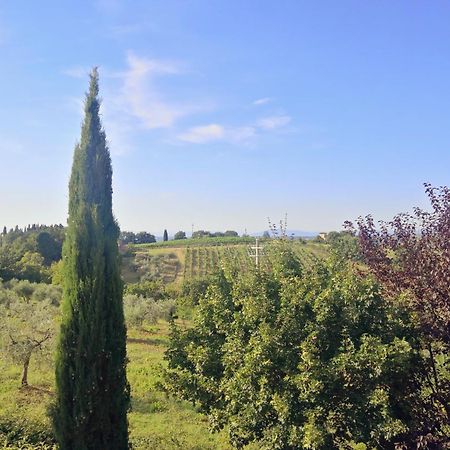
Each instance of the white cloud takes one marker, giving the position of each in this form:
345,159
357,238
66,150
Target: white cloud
273,122
214,132
141,98
235,135
262,101
203,134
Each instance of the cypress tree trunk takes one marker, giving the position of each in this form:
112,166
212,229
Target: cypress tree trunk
92,390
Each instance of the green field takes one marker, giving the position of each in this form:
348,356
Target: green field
156,420
173,261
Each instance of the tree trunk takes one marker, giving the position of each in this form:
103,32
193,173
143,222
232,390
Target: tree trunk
26,363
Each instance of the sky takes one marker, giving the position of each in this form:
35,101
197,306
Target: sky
222,114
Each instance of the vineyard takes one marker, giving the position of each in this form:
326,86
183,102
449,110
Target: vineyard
171,264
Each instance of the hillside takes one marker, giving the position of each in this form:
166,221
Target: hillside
173,261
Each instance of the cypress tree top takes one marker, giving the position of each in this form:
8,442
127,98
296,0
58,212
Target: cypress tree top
92,390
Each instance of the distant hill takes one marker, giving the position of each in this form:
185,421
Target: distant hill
175,261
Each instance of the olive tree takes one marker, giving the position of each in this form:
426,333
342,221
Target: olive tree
27,328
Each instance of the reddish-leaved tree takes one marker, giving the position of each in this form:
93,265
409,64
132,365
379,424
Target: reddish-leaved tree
410,256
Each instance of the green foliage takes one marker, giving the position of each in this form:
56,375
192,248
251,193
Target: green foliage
143,237
296,358
344,246
92,391
149,289
26,254
31,268
140,310
179,235
194,289
19,433
200,234
198,242
28,323
152,266
48,247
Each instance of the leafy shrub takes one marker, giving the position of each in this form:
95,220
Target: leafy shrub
139,310
194,289
21,433
149,289
295,359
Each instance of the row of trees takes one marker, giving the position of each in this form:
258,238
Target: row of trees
207,234
17,231
143,237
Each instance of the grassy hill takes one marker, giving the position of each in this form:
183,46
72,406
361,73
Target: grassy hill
173,261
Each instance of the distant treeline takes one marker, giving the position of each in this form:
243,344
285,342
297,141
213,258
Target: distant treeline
208,234
143,237
28,253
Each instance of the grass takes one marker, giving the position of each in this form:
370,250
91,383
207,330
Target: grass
156,421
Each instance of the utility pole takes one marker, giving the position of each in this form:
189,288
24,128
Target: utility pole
254,252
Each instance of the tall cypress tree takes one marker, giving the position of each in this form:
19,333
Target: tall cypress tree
165,236
90,410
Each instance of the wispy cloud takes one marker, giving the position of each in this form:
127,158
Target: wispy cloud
203,134
262,101
273,122
136,102
143,100
215,132
236,135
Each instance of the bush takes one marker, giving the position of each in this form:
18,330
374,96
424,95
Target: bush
21,433
179,235
194,289
149,289
299,359
140,310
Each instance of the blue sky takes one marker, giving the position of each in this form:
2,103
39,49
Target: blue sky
223,113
